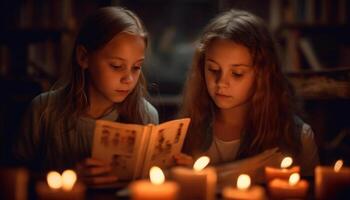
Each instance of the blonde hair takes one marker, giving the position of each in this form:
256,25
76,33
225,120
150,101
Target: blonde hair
97,30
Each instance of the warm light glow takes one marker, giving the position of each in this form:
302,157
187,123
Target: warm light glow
294,179
338,165
286,162
54,180
201,163
243,182
156,175
69,177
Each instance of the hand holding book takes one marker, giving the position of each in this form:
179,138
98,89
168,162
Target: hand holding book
132,149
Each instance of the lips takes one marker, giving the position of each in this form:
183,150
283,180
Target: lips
122,91
222,95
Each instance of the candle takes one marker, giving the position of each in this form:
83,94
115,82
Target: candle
332,182
196,183
243,190
282,173
155,189
61,186
293,188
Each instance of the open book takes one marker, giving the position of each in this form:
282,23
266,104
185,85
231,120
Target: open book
133,149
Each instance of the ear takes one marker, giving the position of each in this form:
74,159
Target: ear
82,56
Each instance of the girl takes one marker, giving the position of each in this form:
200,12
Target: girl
106,82
237,75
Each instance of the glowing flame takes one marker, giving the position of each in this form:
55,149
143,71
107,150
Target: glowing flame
69,178
156,175
294,179
243,182
286,162
338,165
54,180
201,163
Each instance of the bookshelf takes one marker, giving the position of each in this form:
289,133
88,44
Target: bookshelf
312,33
313,37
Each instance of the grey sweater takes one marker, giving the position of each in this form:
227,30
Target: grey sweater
61,148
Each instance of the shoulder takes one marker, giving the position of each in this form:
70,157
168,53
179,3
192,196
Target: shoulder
305,130
151,111
44,98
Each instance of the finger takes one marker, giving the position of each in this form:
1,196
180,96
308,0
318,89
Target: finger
101,180
187,162
183,156
90,162
95,171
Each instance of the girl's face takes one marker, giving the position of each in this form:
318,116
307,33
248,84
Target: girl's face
229,73
115,69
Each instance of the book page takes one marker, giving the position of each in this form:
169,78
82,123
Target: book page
118,143
166,141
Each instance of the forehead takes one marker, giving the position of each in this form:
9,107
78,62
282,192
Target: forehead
225,50
125,43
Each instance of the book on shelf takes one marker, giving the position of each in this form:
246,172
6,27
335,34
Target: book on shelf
132,149
309,53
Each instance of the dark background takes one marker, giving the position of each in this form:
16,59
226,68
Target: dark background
36,39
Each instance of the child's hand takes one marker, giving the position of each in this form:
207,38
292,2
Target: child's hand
95,172
183,159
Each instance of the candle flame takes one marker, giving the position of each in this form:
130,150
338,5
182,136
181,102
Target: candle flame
286,162
201,163
156,175
54,180
338,165
294,179
243,182
69,177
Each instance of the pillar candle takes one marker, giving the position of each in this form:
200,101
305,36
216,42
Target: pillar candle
332,182
156,189
243,190
60,187
282,173
196,183
287,189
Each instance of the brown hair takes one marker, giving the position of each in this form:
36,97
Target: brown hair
270,119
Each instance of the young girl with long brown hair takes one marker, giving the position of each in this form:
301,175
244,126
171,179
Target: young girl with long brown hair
106,82
238,99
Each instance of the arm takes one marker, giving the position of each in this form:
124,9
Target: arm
27,146
254,166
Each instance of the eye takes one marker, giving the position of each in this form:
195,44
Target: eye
237,74
213,69
136,67
116,67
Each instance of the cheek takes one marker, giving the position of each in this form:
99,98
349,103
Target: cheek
249,88
209,80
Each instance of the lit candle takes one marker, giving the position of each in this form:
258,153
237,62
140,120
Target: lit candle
156,189
282,173
291,188
61,186
196,183
332,182
243,190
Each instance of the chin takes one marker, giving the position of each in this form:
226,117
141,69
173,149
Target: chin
118,99
225,105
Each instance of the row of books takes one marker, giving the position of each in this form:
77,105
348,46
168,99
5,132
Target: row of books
309,12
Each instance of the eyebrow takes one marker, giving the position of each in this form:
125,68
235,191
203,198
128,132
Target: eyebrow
233,65
119,58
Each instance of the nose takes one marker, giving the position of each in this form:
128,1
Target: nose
222,80
127,77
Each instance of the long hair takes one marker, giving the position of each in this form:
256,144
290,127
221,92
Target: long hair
97,30
270,120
